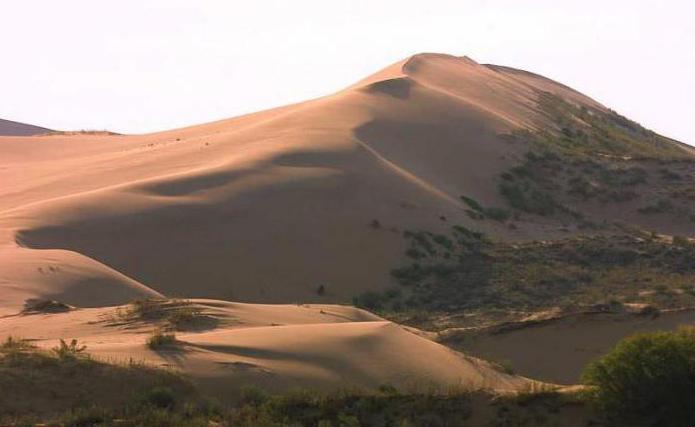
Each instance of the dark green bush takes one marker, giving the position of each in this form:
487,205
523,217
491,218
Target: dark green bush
370,300
648,376
160,397
472,203
498,214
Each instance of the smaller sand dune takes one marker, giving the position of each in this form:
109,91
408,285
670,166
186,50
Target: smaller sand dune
65,276
278,347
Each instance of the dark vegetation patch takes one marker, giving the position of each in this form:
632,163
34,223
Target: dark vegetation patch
175,314
582,131
467,271
479,212
37,384
160,338
165,403
46,306
592,155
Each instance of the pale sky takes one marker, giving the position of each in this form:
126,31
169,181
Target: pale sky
139,66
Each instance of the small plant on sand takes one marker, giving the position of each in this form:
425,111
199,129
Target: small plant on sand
161,338
69,351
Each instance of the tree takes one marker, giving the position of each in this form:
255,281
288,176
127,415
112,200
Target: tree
648,376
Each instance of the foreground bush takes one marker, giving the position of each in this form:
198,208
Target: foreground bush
648,376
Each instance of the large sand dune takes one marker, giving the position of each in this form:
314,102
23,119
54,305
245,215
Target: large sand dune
266,208
269,206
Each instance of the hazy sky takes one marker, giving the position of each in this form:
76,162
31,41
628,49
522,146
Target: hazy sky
147,65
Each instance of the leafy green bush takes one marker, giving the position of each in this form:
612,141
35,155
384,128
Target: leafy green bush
648,376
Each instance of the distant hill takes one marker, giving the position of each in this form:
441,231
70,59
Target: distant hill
10,128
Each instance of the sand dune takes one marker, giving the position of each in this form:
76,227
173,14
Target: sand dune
279,202
277,347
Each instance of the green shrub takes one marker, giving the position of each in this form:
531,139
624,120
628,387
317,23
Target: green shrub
648,376
528,199
498,214
472,203
253,395
160,397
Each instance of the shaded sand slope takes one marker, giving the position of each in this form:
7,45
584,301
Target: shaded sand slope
10,128
277,347
269,206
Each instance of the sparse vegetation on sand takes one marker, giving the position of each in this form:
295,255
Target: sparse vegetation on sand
176,314
467,271
479,212
594,156
37,306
